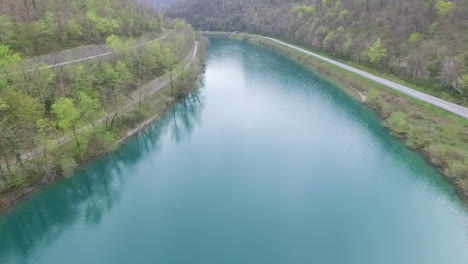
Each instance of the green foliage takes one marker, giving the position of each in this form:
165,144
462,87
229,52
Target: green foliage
103,26
82,81
343,14
457,169
7,33
38,107
74,29
3,105
397,122
463,85
376,52
66,112
43,139
56,24
303,10
443,7
450,132
90,108
114,42
338,5
347,45
22,109
326,41
325,3
373,97
415,37
8,59
67,165
118,45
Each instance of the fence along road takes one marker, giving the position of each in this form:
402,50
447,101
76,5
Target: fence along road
85,53
137,96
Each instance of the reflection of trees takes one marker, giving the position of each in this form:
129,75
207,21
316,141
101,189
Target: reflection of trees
93,191
185,116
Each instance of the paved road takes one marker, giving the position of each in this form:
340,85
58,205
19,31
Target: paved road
142,93
150,88
451,107
102,51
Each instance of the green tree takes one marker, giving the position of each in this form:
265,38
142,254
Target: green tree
43,139
443,7
41,81
463,85
104,26
67,116
397,122
115,43
4,134
8,59
90,108
376,52
415,37
82,79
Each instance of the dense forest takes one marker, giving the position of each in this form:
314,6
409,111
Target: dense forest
33,27
424,41
64,115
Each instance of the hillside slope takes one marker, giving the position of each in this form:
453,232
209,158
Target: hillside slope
33,27
424,41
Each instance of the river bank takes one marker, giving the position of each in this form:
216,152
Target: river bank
266,162
441,137
126,124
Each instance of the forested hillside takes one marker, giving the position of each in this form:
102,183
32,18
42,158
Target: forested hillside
33,27
65,114
424,41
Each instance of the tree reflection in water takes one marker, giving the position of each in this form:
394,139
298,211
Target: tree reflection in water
93,191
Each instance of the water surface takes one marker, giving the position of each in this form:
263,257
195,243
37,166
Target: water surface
266,163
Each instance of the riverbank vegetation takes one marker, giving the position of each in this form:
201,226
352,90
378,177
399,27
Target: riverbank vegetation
68,115
440,136
419,43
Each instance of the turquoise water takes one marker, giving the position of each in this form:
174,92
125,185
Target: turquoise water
266,163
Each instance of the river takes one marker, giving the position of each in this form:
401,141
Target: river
266,163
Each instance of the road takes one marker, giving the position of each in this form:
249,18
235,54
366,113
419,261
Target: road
139,95
451,107
102,50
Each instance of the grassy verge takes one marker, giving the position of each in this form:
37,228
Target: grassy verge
97,141
440,136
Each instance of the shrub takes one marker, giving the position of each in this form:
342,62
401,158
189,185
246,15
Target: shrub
373,97
457,169
417,138
67,165
397,122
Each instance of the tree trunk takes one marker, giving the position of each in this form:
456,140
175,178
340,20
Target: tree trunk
6,162
35,7
18,159
74,134
172,85
113,119
26,7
